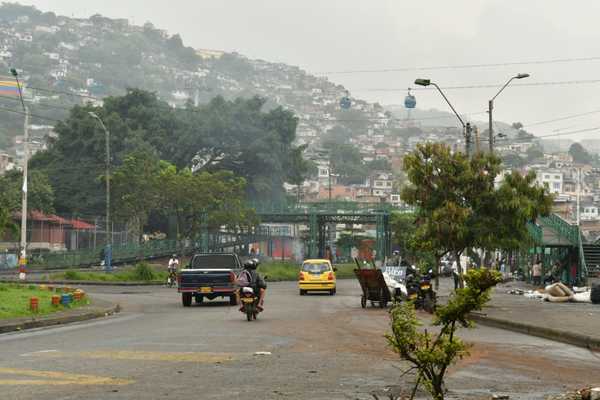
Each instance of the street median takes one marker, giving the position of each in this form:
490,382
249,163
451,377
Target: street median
572,338
98,309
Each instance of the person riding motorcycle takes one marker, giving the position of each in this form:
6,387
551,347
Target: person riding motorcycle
249,277
173,264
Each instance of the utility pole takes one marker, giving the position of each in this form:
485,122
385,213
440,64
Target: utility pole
491,125
578,195
468,135
109,239
23,257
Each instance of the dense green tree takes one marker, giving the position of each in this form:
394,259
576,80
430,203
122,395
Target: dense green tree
459,205
579,154
534,153
40,195
236,136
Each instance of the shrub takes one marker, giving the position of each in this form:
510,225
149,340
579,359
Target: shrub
143,272
72,275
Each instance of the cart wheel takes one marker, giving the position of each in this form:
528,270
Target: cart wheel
363,302
383,304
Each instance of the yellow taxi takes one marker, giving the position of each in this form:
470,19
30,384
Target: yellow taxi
316,275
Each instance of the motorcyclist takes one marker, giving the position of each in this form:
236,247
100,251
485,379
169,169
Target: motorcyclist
249,277
173,264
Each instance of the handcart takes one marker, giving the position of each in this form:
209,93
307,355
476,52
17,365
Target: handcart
373,286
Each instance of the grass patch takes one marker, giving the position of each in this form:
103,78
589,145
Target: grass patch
287,271
14,301
141,272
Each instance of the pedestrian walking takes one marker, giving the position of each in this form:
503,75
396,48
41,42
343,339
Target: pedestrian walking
455,275
536,273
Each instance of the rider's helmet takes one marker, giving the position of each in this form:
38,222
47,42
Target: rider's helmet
174,255
396,253
256,262
250,264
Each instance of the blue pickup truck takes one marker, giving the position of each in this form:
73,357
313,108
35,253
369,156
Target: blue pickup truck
208,276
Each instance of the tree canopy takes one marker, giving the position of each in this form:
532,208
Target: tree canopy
580,154
459,205
237,136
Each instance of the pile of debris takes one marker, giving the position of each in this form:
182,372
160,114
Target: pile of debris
583,394
560,293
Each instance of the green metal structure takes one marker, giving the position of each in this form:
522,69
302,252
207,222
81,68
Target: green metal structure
555,239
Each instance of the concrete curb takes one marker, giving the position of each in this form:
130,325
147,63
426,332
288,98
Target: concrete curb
574,339
81,283
66,317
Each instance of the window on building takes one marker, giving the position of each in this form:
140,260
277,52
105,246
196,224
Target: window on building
556,176
556,186
546,176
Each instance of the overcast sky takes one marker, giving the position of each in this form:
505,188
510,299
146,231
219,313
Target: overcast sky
339,35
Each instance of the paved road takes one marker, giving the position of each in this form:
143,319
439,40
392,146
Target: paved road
321,347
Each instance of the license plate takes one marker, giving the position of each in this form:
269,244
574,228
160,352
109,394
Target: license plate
425,287
205,290
247,300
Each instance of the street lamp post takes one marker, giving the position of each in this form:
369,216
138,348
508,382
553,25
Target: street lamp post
108,250
491,107
23,257
466,127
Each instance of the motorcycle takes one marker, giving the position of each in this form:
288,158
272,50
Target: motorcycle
249,303
172,278
420,291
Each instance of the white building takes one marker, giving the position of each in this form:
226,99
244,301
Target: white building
590,213
552,179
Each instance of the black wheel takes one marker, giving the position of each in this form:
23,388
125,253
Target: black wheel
186,299
428,303
332,292
383,304
232,301
363,302
302,292
249,312
199,298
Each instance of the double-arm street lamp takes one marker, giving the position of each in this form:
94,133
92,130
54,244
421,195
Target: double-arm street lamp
466,126
108,249
491,107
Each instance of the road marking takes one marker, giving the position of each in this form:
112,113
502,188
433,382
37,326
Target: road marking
38,352
158,356
55,378
197,357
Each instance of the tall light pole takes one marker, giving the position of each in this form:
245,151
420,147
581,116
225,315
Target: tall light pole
491,107
25,168
467,127
108,250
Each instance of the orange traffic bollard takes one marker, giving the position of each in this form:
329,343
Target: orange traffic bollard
34,304
55,300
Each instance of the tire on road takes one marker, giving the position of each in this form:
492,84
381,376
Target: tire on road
186,299
198,298
302,292
232,300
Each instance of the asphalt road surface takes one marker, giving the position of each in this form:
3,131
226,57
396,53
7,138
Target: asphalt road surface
321,347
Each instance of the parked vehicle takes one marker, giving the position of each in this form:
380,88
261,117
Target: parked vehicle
317,275
249,302
208,276
420,291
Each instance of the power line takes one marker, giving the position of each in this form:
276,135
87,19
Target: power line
486,86
562,118
463,66
30,114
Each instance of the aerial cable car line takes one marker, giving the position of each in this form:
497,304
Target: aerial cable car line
487,86
314,119
37,104
463,66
